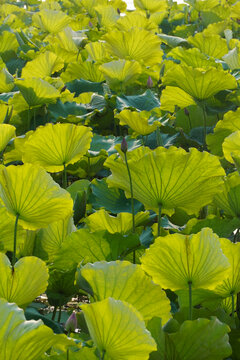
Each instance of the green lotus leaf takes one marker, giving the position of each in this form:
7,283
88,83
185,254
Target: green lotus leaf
7,132
231,146
198,83
235,11
200,339
223,128
204,297
175,260
135,19
6,81
138,121
229,200
172,96
28,280
18,336
90,5
122,223
50,239
121,73
82,70
55,146
63,46
8,45
209,44
51,21
193,57
118,330
107,16
170,178
97,52
134,44
15,153
43,65
203,5
151,5
29,192
232,58
124,281
37,92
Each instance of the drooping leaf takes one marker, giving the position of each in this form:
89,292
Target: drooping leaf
118,329
232,58
55,146
6,81
175,260
31,193
7,132
124,281
146,101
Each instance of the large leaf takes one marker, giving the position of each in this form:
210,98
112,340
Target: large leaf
82,70
7,132
175,260
26,282
55,146
51,21
209,44
135,19
29,192
118,329
151,5
6,81
231,146
138,121
193,57
170,178
124,281
18,336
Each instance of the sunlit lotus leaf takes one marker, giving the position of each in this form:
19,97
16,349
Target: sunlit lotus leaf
172,178
8,44
107,15
173,96
43,65
121,73
124,281
229,200
50,239
7,132
16,153
18,336
198,83
158,17
203,5
6,81
138,121
62,45
97,52
89,5
135,19
31,193
231,146
7,232
151,5
122,223
37,92
4,110
235,11
135,44
53,146
231,284
193,57
175,260
118,329
223,128
211,45
51,21
232,58
28,280
82,70
200,339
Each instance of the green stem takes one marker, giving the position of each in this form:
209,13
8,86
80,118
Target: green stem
159,138
204,127
54,313
103,354
189,122
233,305
159,218
29,119
190,299
64,177
34,119
15,241
59,314
68,354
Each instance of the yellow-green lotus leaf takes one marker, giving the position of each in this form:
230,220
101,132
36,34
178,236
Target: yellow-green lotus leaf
231,146
90,5
52,21
30,192
193,57
118,329
122,223
232,58
151,5
203,5
172,178
235,10
175,260
8,42
138,121
43,65
173,96
62,45
135,19
18,336
229,199
16,153
37,92
7,132
82,70
6,81
55,146
124,281
121,73
97,52
4,111
107,16
209,44
134,44
51,238
198,83
28,280
231,284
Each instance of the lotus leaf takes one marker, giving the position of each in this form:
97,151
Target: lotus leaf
135,19
107,16
82,70
193,57
229,200
6,81
97,52
138,121
7,132
151,5
232,58
231,146
8,44
52,21
211,45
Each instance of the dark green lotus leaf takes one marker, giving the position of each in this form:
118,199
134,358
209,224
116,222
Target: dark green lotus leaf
107,144
146,101
81,86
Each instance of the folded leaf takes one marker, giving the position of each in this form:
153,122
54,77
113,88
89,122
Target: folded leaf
6,81
229,200
231,146
7,132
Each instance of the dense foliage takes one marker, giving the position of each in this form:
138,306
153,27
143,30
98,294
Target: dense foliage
120,179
